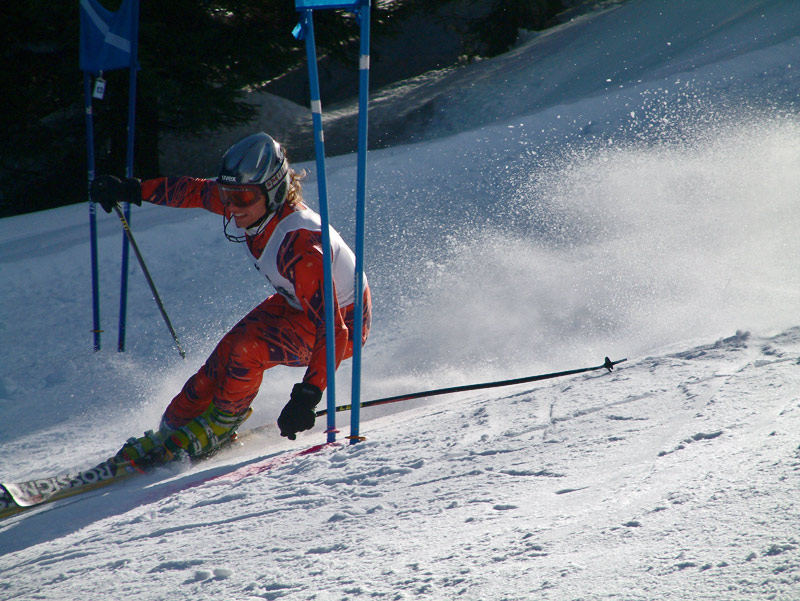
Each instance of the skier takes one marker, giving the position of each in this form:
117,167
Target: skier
261,194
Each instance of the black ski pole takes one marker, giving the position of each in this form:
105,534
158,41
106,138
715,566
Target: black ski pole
157,298
608,364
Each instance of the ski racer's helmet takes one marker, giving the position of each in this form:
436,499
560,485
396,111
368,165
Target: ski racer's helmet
257,159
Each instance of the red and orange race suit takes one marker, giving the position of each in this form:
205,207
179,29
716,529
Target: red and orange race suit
288,328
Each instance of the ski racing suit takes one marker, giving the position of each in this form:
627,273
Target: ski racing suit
288,328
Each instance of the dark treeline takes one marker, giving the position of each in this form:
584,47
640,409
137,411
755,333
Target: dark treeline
197,58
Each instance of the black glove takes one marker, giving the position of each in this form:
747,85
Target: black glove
108,190
298,414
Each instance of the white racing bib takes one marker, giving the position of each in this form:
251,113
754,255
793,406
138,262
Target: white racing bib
342,258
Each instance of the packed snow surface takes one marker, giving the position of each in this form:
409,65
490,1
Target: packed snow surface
624,185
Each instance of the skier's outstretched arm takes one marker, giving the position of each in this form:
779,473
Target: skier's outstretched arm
181,192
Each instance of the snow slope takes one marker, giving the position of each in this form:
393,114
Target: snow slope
652,217
676,478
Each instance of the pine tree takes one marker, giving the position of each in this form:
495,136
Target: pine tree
198,59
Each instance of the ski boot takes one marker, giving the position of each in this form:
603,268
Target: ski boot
144,452
200,438
204,435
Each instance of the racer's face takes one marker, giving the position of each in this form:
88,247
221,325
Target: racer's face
245,203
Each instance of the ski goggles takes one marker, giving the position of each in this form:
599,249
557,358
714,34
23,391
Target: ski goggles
242,195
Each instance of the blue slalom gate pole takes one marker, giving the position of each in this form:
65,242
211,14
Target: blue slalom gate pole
123,285
361,193
123,291
108,40
87,87
319,147
306,29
